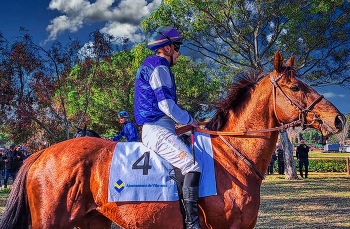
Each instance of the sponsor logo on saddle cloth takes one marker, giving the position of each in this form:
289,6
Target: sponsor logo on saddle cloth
139,174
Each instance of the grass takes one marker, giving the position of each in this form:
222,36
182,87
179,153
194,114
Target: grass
320,154
322,201
3,198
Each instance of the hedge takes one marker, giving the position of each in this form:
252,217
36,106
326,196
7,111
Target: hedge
325,165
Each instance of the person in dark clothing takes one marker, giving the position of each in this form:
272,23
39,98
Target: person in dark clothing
13,160
302,154
280,160
129,130
2,164
272,163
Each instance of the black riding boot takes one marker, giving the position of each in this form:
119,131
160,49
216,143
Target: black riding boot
190,195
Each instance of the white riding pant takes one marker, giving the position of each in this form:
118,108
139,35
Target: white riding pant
160,137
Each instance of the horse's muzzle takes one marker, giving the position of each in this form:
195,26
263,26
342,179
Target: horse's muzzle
339,122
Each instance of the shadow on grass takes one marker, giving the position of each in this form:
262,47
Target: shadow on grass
319,202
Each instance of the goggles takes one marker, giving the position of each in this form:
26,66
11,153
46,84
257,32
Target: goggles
177,45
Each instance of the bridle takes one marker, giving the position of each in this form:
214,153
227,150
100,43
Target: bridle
303,112
283,126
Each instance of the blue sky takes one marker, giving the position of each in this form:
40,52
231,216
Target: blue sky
48,21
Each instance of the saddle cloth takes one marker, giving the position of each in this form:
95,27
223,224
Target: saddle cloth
139,174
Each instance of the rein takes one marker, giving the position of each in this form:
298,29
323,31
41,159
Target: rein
301,121
244,158
184,129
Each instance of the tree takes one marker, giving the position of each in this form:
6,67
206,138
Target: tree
26,87
312,136
33,81
113,90
45,94
4,139
244,35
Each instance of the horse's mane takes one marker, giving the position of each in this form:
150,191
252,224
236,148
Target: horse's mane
238,96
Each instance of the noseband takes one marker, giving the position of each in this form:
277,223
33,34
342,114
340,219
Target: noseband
303,112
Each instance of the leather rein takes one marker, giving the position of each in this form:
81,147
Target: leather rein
301,121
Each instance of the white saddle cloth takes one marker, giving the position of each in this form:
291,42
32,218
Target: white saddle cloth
139,174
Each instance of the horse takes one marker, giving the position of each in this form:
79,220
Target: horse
86,132
65,185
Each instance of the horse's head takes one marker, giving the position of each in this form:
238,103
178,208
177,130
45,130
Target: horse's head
295,101
86,132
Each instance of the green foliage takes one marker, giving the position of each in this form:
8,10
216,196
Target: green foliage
326,165
197,87
96,94
46,93
4,192
4,138
245,34
312,136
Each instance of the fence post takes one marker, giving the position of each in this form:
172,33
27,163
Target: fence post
348,165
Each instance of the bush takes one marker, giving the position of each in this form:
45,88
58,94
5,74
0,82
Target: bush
326,165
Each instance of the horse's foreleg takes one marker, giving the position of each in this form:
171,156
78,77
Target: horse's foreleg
94,220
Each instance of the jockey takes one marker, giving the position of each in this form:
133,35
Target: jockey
129,130
155,107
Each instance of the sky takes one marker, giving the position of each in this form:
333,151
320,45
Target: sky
48,21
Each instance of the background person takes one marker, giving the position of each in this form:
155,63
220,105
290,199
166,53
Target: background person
2,164
129,130
280,159
13,160
155,107
272,163
302,154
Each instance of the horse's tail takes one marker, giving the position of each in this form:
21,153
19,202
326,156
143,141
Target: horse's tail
17,214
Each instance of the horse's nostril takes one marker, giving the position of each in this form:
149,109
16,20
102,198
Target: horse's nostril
340,121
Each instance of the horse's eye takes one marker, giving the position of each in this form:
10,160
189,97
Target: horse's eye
294,88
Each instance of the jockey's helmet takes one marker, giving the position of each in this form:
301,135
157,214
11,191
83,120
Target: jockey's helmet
123,114
163,36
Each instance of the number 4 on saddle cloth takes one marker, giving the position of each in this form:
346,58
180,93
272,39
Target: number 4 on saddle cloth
139,174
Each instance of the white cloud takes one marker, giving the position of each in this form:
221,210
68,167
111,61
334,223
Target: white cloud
122,30
61,24
122,17
332,95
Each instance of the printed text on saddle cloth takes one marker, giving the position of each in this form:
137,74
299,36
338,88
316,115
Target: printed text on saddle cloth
139,174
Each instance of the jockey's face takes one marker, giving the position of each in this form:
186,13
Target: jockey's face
122,120
176,53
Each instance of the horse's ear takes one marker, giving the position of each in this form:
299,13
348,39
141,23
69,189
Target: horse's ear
290,62
278,61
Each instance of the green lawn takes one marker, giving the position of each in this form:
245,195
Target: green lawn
320,154
320,202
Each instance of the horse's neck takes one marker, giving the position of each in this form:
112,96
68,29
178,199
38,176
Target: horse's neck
257,114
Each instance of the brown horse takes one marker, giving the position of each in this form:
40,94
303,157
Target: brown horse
65,186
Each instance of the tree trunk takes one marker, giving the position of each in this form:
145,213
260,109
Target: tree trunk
289,168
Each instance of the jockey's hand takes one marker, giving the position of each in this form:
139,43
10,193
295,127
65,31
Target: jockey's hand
194,123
